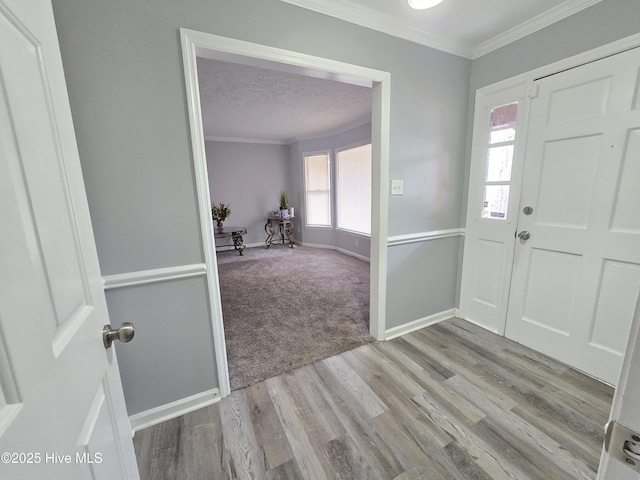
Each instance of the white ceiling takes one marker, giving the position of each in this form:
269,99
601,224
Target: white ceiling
469,28
247,103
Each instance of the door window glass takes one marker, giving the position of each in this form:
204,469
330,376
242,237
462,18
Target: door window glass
500,150
496,201
499,160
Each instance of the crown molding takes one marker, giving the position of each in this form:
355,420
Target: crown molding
333,132
322,134
549,17
263,141
369,18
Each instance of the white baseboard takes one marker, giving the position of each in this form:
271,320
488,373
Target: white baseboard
353,254
171,410
420,323
332,247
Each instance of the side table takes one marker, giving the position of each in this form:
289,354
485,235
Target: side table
236,234
282,226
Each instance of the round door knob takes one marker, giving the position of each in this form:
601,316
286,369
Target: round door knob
123,333
524,235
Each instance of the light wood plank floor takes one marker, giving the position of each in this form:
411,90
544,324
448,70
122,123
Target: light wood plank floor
450,401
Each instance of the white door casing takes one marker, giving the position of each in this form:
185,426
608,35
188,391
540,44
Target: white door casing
489,242
200,44
575,281
626,403
62,412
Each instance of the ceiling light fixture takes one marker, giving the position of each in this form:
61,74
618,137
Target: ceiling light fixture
423,4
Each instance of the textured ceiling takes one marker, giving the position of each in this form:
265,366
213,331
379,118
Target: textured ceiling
251,103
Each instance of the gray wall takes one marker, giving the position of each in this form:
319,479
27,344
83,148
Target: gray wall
410,297
320,235
603,23
249,176
123,67
160,313
595,26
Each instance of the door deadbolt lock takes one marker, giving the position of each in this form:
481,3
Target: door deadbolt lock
527,210
123,333
524,235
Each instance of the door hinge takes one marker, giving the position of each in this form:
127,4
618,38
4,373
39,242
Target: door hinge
533,91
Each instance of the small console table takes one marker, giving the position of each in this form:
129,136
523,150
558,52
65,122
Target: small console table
236,234
281,226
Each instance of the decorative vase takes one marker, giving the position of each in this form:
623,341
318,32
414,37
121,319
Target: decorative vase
220,226
284,213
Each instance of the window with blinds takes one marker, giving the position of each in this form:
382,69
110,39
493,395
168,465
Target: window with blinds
353,189
317,175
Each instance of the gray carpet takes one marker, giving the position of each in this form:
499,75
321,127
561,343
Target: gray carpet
284,308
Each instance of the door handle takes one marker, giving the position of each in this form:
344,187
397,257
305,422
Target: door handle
524,235
124,333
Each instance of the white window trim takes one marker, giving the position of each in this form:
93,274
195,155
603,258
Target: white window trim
304,155
352,232
318,227
352,145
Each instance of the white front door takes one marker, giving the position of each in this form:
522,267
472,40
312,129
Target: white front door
492,211
575,279
62,413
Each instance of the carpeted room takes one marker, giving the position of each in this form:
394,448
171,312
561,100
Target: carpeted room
287,307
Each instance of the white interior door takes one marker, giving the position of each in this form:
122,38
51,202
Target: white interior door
575,279
62,413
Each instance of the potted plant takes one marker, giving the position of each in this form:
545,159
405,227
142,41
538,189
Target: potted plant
219,213
284,204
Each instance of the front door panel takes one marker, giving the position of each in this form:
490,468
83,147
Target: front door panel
576,279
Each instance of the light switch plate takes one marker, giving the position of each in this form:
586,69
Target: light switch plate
397,187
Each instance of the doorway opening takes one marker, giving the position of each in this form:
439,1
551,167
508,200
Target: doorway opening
199,45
